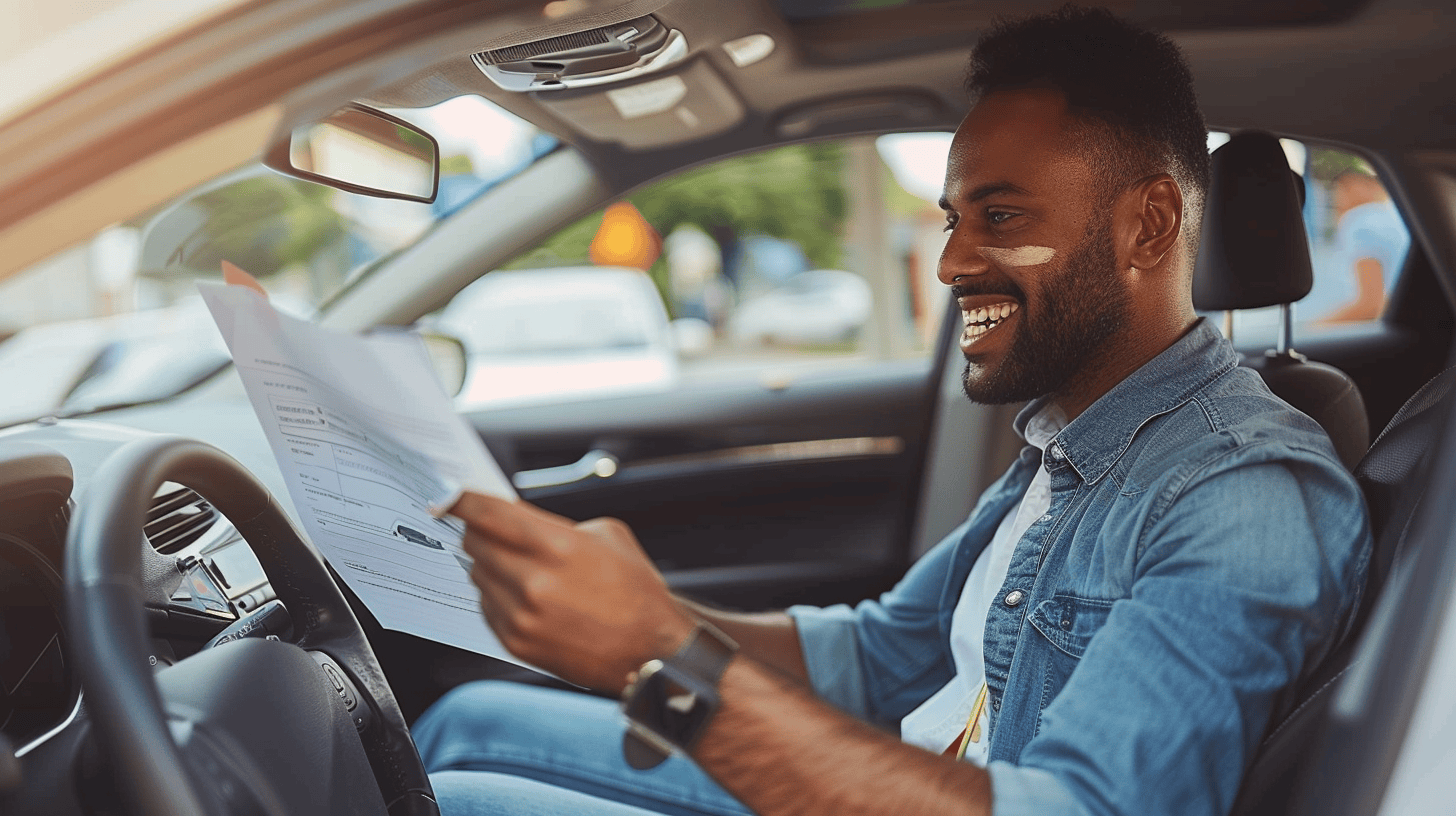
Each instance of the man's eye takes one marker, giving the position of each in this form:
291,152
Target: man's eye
997,218
950,221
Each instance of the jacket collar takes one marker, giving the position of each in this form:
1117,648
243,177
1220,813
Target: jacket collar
1093,442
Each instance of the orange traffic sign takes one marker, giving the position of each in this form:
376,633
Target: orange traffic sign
625,239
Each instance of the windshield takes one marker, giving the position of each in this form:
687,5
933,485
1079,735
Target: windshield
117,320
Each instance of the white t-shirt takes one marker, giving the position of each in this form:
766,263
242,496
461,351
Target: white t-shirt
937,722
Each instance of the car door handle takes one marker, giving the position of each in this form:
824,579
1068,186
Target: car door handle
596,463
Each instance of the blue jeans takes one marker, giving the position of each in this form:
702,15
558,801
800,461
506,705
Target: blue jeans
504,748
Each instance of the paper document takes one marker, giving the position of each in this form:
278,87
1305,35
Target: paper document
368,442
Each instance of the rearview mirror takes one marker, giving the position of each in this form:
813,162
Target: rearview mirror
362,150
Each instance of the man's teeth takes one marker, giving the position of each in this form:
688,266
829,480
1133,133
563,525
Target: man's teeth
979,321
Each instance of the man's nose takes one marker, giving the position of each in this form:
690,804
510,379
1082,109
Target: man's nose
960,258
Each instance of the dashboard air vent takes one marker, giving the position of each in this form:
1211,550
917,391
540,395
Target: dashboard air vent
178,517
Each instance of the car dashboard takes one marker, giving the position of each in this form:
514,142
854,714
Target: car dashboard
199,577
37,687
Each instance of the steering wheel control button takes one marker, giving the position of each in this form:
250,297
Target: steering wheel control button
344,688
1015,597
271,619
341,688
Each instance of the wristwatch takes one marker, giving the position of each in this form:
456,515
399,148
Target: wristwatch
670,701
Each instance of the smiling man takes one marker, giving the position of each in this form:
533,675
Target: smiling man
1109,632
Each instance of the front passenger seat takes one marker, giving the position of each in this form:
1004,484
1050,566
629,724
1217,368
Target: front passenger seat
1393,476
1253,254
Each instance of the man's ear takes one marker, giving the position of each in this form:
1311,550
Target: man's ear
1154,220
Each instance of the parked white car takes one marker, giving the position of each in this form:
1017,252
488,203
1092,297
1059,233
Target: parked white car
534,335
820,306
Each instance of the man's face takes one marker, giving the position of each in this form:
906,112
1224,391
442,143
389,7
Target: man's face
1030,258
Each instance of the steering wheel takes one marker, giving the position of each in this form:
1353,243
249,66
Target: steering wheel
253,725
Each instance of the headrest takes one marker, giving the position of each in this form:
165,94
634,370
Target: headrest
1254,251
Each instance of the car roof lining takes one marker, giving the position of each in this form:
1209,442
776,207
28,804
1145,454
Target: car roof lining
806,65
1161,14
422,57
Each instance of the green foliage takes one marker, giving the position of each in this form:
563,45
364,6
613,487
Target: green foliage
264,224
1326,162
418,142
458,164
795,193
900,202
569,247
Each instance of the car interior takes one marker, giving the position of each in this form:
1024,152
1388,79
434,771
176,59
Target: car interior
765,481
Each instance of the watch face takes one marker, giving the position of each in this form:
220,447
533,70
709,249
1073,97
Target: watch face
671,703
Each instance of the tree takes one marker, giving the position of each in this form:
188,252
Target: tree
795,193
265,223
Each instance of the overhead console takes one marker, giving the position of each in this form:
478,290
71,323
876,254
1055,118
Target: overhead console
629,83
691,103
596,56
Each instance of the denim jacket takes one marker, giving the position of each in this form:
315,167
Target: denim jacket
1204,546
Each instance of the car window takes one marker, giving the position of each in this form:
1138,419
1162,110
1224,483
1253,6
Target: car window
118,319
1357,242
789,260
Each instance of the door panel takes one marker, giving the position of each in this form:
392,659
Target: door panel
743,495
746,497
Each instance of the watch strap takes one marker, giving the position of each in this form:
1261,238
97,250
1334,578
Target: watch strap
641,753
706,655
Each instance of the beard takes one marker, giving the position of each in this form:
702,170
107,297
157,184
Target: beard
1080,306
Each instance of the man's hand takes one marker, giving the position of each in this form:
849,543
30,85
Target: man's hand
579,600
583,601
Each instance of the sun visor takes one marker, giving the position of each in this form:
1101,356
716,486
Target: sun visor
685,105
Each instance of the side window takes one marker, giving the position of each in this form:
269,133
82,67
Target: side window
777,263
1357,242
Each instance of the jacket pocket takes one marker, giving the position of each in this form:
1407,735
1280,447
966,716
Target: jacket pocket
1069,622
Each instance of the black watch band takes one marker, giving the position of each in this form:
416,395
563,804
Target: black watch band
670,701
706,653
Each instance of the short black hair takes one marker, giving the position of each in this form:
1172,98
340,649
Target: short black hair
1129,86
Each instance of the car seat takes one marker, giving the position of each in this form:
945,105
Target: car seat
1253,254
1392,476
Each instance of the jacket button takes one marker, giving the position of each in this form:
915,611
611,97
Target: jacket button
1015,597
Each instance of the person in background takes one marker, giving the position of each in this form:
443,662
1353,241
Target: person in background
1370,246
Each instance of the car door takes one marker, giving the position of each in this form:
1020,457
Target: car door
780,460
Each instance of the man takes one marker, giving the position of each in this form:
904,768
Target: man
1112,628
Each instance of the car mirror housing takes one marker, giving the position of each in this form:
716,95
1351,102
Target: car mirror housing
361,150
448,355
